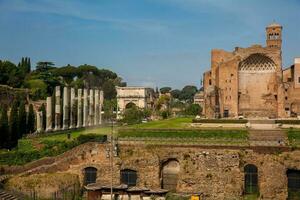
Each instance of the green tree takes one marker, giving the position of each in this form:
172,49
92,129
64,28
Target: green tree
31,120
165,90
188,93
68,73
4,129
43,110
22,119
109,90
133,115
43,66
14,124
176,93
193,109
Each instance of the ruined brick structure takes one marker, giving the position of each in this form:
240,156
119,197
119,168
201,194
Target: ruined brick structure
251,82
219,173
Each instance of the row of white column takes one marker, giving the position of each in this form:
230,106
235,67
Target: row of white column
89,107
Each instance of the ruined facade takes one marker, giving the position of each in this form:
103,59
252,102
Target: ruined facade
250,81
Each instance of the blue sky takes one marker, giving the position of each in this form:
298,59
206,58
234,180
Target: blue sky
147,42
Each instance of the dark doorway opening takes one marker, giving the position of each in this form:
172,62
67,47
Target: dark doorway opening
293,184
251,179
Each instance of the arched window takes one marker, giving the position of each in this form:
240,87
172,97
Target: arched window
169,173
251,179
293,183
90,175
128,177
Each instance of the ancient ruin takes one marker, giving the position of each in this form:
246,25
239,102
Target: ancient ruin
87,115
250,82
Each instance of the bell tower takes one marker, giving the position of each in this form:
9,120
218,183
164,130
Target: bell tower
274,34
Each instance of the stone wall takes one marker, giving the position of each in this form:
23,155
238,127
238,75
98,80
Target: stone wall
218,173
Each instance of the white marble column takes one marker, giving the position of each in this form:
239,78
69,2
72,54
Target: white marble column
85,108
49,114
91,108
96,111
57,108
72,110
39,122
79,108
66,107
101,97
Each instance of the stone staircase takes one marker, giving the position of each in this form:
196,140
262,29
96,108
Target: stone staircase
7,196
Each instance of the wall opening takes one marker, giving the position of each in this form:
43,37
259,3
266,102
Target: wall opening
251,179
293,184
169,174
90,175
128,177
130,105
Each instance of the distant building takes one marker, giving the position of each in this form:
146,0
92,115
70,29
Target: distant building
250,81
141,97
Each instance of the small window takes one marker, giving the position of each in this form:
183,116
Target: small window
286,90
251,179
231,74
286,98
298,79
90,175
287,109
209,81
128,177
289,79
275,97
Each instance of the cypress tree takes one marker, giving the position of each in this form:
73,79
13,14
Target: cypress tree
22,119
28,66
43,110
4,129
31,120
14,124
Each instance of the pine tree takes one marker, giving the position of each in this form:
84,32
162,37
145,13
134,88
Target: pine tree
14,124
22,119
43,109
31,120
4,129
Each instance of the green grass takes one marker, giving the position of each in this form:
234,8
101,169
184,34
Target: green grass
294,136
167,123
30,149
208,134
251,197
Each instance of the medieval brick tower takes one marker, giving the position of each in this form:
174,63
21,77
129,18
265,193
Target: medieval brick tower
274,32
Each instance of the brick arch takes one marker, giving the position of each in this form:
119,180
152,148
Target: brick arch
169,174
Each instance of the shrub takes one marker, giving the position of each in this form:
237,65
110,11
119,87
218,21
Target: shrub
286,121
224,121
91,138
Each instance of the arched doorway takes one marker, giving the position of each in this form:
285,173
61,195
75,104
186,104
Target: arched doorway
128,177
90,175
169,174
293,184
251,179
130,105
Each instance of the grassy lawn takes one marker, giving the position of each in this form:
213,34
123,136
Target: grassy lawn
30,149
251,197
167,123
208,134
294,136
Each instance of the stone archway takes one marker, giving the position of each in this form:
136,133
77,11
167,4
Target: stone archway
169,173
130,105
